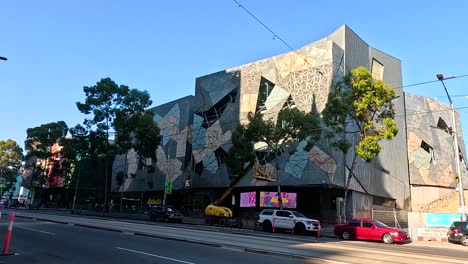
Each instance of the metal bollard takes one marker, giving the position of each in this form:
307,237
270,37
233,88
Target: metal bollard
6,245
273,226
318,231
294,227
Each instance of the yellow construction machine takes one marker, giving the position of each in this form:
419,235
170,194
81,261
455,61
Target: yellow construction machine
215,209
221,213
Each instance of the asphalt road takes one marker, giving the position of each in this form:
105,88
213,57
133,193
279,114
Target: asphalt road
65,243
44,242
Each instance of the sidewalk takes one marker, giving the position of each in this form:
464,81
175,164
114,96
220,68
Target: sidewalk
134,216
248,225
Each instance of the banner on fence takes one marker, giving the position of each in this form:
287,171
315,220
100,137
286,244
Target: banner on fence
432,232
436,220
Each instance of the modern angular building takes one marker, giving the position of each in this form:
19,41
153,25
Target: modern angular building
197,134
431,151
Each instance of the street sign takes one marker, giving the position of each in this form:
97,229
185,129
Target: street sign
187,183
168,187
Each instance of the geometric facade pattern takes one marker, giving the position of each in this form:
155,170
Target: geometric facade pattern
214,138
324,161
305,76
430,144
300,79
297,163
174,120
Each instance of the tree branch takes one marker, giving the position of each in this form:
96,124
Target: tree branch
354,176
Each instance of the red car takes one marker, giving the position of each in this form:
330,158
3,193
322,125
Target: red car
368,229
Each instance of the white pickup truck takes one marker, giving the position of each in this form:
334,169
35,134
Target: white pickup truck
270,219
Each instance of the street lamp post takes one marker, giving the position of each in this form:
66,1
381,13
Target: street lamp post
458,175
76,186
165,175
3,58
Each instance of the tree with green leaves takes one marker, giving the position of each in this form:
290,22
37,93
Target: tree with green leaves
359,110
127,118
136,130
114,109
84,147
39,139
292,125
38,149
11,156
241,156
147,136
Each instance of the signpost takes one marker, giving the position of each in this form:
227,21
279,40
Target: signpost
168,187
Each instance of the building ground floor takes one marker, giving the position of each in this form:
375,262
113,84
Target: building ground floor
318,202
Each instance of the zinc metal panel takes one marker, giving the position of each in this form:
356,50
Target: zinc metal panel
356,51
393,158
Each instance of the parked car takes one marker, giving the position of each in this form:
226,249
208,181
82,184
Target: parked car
368,229
458,232
288,220
165,213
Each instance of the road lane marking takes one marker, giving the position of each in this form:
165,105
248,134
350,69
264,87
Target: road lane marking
119,222
32,229
153,255
240,249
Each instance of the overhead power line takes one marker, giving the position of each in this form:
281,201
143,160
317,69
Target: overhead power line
421,83
276,36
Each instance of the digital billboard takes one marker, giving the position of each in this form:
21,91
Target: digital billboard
270,199
248,199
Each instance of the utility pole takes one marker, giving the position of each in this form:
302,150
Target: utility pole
456,151
280,198
76,186
106,163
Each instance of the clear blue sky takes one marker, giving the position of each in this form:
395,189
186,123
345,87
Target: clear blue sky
56,47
